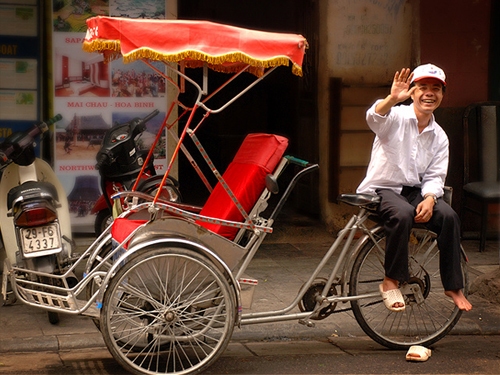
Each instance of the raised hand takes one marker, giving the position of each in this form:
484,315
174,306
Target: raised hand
400,89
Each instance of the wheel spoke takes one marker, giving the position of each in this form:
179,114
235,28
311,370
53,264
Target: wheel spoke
168,311
426,318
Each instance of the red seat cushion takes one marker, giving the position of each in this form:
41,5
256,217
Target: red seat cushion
258,156
122,227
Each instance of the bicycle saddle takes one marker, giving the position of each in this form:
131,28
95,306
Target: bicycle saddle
367,200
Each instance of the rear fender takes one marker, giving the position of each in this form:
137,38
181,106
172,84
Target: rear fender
152,182
178,242
9,180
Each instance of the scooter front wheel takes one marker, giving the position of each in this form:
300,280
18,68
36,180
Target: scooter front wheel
103,219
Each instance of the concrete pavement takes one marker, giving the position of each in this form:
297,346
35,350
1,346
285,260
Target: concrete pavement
27,329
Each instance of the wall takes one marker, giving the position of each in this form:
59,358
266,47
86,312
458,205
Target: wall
454,34
365,42
367,39
171,8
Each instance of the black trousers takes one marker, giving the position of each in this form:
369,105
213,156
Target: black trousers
398,212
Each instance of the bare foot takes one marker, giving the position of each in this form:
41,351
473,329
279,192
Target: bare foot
459,299
390,284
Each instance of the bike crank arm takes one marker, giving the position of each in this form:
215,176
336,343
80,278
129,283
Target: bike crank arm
327,301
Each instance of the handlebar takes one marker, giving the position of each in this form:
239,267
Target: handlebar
53,119
21,140
150,116
119,139
139,125
101,159
297,161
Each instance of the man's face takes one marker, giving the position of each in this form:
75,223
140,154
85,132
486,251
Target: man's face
428,95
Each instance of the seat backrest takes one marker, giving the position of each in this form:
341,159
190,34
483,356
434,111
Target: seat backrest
481,142
258,156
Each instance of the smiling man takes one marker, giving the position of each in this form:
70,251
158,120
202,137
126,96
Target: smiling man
408,168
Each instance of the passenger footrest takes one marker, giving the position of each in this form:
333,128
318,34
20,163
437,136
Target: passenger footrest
247,290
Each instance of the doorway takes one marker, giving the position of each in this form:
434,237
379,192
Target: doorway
282,103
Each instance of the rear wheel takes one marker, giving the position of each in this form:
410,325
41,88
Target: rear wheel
429,315
167,310
53,317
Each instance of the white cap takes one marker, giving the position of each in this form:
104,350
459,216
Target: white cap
428,71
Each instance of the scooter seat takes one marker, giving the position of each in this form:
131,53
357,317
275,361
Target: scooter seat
31,190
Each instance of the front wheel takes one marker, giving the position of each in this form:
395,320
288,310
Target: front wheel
429,315
168,310
103,219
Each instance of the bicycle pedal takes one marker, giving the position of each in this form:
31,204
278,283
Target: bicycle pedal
414,292
307,322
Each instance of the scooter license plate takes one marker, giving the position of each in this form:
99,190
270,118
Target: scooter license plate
46,237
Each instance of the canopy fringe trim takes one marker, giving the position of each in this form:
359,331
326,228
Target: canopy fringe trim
193,59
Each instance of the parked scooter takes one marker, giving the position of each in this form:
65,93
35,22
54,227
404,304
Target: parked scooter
34,211
119,162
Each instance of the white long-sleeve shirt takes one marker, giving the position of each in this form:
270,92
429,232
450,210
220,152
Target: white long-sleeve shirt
401,156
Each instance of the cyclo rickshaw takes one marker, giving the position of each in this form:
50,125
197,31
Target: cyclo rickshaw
164,282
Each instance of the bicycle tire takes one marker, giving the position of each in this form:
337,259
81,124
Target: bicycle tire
102,220
53,317
422,322
167,310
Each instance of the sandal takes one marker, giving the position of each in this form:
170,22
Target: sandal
392,297
418,353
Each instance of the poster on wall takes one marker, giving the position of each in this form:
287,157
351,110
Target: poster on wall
19,66
92,96
19,18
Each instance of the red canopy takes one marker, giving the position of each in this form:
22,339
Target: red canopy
224,48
